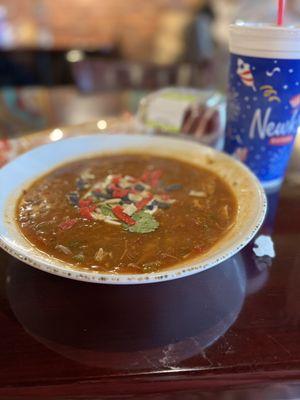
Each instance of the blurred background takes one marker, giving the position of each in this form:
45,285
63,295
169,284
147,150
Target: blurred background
71,61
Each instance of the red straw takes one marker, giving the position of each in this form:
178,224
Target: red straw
281,10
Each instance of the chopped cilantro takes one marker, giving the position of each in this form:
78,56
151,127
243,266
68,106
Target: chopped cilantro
145,223
107,211
79,257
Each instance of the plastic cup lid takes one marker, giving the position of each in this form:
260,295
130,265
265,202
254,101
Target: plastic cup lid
265,40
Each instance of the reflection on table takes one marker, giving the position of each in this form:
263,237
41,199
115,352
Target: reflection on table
136,327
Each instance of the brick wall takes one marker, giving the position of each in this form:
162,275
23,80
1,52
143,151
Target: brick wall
133,24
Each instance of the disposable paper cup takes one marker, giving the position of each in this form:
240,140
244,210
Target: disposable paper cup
263,113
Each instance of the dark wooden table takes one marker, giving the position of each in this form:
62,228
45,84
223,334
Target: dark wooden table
232,332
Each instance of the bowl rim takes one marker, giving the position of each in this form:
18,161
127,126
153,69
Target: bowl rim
58,267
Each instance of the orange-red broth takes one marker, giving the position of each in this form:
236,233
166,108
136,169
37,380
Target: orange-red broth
200,209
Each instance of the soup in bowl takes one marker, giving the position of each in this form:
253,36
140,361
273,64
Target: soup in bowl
127,208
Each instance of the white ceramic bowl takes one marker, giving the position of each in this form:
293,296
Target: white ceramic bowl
17,175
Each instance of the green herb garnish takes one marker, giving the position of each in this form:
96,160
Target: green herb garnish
124,200
79,257
107,211
145,223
